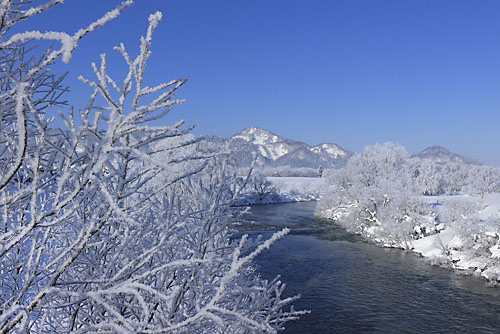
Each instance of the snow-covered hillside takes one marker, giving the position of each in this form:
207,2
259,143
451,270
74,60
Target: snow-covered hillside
269,145
280,156
333,150
441,154
277,151
259,136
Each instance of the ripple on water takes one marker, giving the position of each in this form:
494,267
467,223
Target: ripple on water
355,287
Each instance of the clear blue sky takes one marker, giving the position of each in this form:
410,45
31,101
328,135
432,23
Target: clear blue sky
350,72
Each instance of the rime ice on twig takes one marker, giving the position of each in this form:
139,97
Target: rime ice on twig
68,42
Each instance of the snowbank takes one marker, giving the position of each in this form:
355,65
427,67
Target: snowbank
471,246
460,232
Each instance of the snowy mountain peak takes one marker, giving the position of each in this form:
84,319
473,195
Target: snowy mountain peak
283,151
258,136
330,149
269,145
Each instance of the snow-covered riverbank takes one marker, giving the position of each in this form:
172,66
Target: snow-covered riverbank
464,236
460,232
470,245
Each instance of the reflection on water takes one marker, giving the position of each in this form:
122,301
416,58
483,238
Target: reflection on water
354,287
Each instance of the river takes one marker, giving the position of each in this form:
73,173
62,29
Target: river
351,286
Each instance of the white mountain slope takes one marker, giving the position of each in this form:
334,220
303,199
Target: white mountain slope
332,150
258,136
270,145
441,154
281,151
272,150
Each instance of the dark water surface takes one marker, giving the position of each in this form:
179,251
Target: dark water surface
354,287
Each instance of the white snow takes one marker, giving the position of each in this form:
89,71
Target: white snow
330,149
270,145
450,245
432,246
495,251
305,185
263,151
257,136
491,205
273,147
273,151
279,151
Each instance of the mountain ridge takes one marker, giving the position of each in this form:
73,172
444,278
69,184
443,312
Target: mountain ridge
271,150
282,151
442,154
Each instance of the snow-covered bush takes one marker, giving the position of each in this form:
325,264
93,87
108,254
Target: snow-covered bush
390,199
115,224
440,177
455,210
375,195
483,180
444,178
474,247
255,188
260,186
428,176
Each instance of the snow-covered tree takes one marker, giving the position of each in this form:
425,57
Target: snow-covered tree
456,175
483,180
115,224
458,210
375,195
260,186
440,177
428,176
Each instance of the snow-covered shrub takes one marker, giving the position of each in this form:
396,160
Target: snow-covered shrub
375,195
428,176
441,177
113,225
261,186
465,239
255,188
457,210
456,176
482,180
474,247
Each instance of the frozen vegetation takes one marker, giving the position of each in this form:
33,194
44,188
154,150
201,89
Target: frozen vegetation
448,211
260,189
468,239
115,224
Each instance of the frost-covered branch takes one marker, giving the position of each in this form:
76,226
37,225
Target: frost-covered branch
115,223
68,42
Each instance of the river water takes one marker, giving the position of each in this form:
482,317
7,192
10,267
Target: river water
351,286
